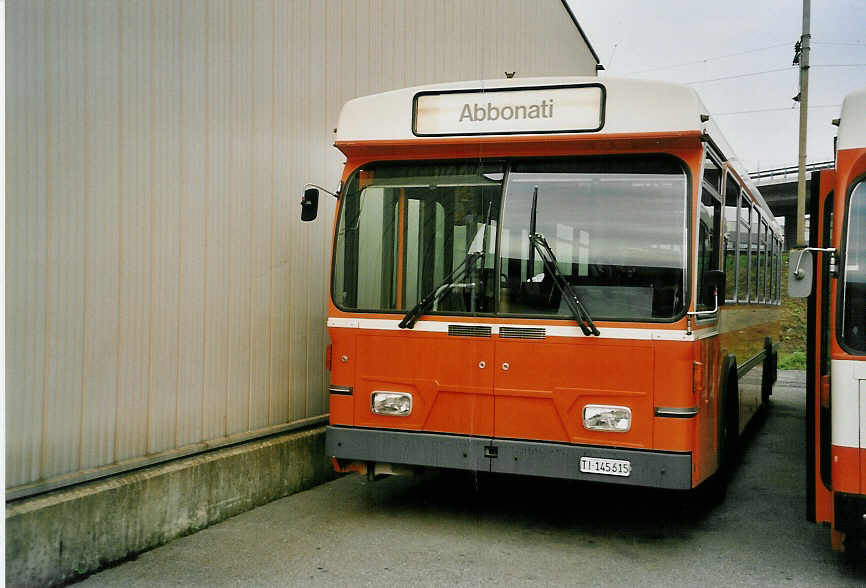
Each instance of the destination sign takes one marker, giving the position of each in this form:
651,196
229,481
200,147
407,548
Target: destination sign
560,109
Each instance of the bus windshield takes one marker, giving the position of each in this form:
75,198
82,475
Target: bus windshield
404,228
854,289
616,226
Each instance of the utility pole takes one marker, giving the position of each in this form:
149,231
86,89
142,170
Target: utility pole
804,107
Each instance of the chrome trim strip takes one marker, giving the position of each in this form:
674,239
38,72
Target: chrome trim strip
704,333
342,390
747,365
675,413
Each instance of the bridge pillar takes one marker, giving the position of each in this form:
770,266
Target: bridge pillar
790,230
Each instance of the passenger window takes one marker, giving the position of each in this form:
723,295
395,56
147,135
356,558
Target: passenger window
743,239
765,262
731,238
754,256
713,174
708,244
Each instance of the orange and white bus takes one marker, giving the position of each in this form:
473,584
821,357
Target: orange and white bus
836,334
560,277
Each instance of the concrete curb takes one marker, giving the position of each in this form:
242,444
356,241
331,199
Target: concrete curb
58,537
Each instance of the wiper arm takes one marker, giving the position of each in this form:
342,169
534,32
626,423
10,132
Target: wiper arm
581,316
411,317
465,268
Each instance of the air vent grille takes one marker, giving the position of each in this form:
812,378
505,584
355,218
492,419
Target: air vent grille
468,331
521,332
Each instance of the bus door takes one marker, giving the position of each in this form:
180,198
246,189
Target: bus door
611,230
819,503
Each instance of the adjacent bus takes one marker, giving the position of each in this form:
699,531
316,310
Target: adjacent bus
561,277
836,333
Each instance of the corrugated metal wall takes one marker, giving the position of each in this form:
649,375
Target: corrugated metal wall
161,292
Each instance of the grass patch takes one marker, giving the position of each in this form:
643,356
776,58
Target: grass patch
792,361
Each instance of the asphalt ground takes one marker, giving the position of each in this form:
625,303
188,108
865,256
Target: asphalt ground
444,528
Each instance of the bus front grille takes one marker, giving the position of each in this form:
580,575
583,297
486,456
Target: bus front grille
521,332
469,331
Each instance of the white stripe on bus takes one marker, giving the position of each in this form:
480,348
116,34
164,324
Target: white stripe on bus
550,330
848,403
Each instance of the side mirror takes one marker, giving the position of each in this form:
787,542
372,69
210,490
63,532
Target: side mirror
310,204
800,274
714,285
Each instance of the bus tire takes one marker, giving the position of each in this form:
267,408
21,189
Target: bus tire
771,367
729,427
854,546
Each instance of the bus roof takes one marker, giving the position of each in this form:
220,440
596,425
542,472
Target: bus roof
585,105
852,123
630,106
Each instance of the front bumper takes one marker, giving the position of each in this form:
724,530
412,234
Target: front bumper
657,469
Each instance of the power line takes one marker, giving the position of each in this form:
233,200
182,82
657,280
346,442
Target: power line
708,59
842,44
839,65
745,75
759,73
791,108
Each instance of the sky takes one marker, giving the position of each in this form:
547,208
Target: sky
697,43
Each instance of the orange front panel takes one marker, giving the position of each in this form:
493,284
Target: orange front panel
341,409
450,390
672,387
459,412
846,469
548,382
673,434
343,363
673,379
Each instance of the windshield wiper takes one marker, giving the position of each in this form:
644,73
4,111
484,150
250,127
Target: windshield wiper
581,316
463,269
411,317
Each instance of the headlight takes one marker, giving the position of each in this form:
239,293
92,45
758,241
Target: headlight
597,417
391,403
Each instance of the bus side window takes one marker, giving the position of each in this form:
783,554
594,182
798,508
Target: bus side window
731,237
708,243
765,261
754,256
744,239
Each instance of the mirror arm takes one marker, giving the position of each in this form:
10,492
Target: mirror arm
697,313
798,273
334,194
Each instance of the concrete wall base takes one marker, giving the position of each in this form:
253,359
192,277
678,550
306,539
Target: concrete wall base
55,538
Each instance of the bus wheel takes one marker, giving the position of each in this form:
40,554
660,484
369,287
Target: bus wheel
768,377
854,546
715,488
729,432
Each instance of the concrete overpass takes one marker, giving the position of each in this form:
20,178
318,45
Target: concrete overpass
779,188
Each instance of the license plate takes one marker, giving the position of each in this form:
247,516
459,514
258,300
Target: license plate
607,467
